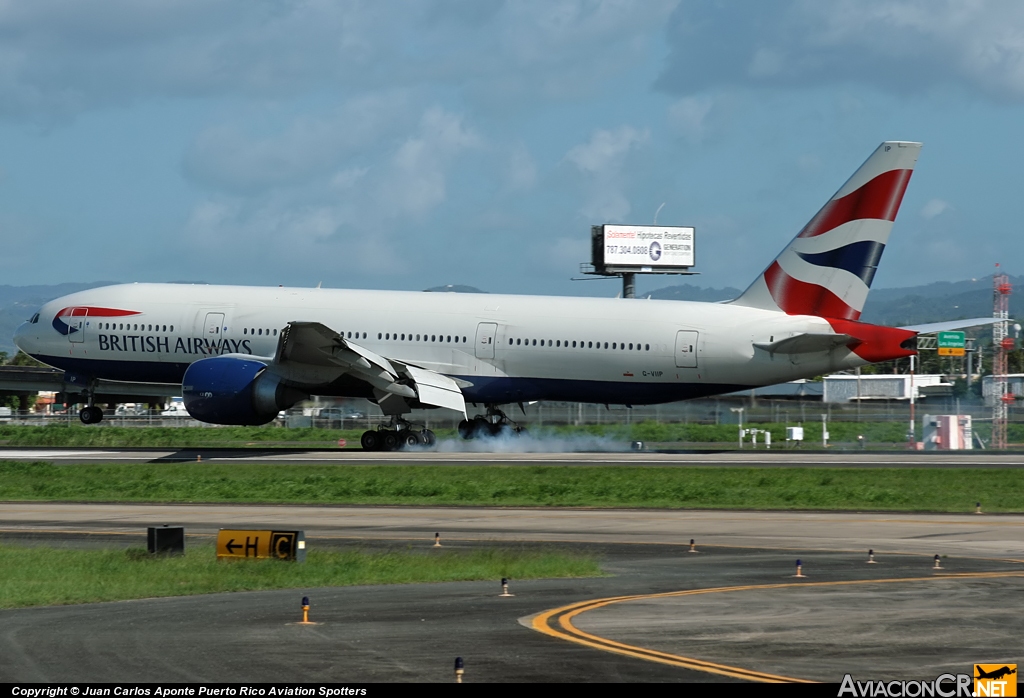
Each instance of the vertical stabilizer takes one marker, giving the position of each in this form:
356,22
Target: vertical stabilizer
828,267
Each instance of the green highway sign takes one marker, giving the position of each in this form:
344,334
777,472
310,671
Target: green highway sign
951,343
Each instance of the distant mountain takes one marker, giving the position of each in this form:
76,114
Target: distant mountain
943,300
689,292
912,305
453,288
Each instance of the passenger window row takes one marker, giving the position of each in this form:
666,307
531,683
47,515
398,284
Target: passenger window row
564,343
133,327
257,332
396,337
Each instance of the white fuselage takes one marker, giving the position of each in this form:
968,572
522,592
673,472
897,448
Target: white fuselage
507,348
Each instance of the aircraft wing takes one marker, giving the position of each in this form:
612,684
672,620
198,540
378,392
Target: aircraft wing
933,327
310,353
805,343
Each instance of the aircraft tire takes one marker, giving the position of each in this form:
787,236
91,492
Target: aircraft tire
467,429
390,441
370,441
429,437
91,415
411,439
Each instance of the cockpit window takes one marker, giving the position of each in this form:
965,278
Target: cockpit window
35,319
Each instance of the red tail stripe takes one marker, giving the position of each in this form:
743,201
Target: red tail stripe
801,298
880,198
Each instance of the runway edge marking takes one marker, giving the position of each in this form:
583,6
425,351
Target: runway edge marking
543,623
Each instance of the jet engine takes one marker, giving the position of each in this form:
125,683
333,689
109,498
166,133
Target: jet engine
228,390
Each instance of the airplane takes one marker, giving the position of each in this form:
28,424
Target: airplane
240,355
995,673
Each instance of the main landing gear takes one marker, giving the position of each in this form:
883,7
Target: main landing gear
495,424
396,436
90,414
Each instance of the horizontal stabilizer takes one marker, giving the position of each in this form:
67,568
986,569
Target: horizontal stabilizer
933,327
806,343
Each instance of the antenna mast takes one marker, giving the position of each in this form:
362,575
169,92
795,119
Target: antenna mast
1001,344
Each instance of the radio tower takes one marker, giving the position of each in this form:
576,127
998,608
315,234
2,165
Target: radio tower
1001,344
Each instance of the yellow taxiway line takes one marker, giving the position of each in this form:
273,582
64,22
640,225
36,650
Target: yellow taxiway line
557,623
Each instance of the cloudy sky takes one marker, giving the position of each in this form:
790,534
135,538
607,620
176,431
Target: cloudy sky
408,144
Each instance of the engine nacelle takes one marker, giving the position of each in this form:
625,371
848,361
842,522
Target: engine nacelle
227,390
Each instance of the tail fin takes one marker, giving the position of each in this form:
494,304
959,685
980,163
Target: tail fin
828,267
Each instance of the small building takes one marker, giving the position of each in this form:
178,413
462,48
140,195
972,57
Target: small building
842,387
947,432
1014,384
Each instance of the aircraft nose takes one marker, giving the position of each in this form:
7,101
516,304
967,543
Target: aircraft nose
23,337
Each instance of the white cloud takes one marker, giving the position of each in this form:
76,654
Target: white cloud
600,162
898,45
353,215
58,59
522,170
416,181
689,117
935,207
604,152
225,158
562,255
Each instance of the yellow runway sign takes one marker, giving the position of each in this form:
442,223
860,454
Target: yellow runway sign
256,545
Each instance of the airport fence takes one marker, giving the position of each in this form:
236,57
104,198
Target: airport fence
538,415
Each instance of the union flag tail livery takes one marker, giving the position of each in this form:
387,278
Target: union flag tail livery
827,269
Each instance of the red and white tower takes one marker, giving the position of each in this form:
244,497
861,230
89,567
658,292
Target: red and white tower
1002,343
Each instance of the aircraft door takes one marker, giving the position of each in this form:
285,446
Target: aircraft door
686,349
485,332
76,323
214,326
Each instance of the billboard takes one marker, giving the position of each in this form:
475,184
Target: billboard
642,247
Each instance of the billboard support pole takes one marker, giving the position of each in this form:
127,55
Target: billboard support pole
628,285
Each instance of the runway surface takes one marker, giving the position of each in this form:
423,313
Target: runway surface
957,534
732,611
464,455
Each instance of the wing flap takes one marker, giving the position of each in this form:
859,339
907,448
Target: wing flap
435,389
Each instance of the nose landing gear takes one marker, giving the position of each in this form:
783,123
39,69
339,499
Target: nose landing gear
90,414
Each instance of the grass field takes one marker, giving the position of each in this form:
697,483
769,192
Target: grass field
52,576
902,489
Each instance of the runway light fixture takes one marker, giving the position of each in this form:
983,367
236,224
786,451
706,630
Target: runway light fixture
460,669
